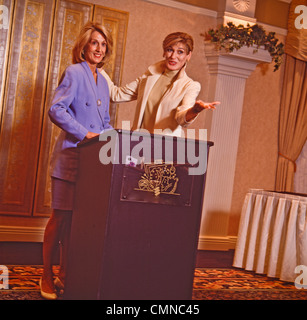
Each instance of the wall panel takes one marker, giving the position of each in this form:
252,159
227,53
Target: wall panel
70,17
23,104
35,49
6,27
117,23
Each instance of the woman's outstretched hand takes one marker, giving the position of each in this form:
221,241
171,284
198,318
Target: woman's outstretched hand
198,107
201,105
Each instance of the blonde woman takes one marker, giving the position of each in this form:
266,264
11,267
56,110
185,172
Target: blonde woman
166,96
80,107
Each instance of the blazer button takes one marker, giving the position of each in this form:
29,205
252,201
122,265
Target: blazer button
92,126
87,104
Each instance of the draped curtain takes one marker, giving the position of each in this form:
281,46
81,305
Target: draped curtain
293,107
300,177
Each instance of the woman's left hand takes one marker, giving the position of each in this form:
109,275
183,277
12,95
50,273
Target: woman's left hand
201,105
198,107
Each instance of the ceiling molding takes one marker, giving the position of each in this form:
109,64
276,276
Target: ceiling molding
270,28
211,13
185,7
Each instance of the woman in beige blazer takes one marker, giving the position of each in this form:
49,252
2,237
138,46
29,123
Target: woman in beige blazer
166,96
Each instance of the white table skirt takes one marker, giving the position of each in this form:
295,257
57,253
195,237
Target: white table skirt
272,237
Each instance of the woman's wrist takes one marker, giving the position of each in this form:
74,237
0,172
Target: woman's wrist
192,114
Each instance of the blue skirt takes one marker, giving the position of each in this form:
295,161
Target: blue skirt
63,194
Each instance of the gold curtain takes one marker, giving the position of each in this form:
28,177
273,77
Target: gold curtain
293,106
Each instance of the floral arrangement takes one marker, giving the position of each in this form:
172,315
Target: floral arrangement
230,37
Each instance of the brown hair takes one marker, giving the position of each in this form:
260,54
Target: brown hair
84,38
176,37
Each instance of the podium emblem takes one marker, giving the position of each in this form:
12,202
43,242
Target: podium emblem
159,178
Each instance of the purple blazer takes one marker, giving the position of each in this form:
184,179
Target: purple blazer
79,105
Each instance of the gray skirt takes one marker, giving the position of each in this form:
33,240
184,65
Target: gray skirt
63,194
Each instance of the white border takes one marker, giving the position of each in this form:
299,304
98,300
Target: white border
36,234
21,234
217,243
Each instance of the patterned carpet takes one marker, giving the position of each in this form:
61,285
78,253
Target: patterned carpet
209,284
237,284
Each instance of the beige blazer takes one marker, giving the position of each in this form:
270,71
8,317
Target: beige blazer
173,107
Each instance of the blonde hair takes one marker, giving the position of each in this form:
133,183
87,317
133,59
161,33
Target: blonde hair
84,38
176,37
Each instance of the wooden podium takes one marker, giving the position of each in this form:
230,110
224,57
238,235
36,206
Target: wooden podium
135,225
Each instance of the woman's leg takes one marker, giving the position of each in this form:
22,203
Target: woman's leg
64,245
51,241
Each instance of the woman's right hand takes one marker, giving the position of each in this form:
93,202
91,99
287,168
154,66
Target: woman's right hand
91,135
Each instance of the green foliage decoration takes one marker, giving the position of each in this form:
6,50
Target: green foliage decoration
230,37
